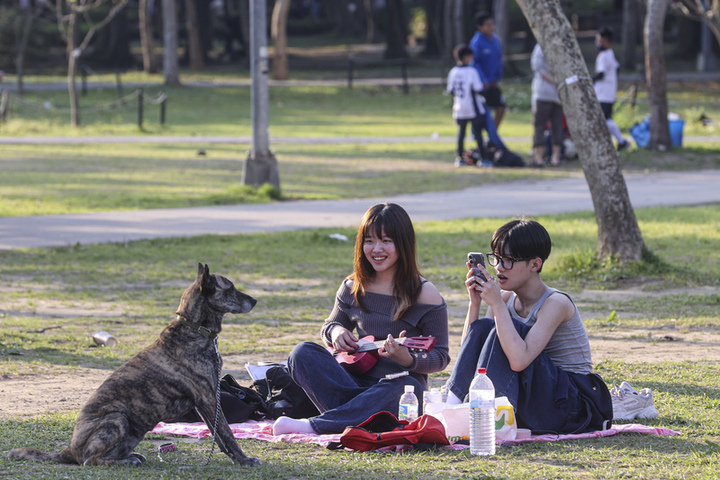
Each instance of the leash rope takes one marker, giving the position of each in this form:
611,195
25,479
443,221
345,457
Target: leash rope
217,411
217,401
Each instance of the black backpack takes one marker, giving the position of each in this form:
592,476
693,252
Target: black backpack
283,397
237,403
506,158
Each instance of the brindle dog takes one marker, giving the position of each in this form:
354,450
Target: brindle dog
175,374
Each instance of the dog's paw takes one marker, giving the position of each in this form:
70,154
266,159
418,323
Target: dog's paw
249,461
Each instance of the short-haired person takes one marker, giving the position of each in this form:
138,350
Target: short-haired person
387,297
465,85
531,340
489,63
605,82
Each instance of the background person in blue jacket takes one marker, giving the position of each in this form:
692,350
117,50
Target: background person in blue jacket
487,59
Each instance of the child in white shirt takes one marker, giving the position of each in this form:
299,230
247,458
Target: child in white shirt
465,85
605,81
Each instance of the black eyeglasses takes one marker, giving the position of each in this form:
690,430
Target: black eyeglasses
506,262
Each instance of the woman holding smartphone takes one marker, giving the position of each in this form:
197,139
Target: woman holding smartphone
386,297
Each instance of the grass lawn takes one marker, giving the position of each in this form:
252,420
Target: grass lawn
53,299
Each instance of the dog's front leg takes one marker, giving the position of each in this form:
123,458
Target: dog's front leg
224,436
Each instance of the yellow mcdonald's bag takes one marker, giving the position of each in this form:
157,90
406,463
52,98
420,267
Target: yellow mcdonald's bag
505,423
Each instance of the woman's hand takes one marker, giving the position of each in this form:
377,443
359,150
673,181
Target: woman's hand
470,283
396,352
488,290
343,340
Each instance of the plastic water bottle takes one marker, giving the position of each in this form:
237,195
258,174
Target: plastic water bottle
482,415
434,395
408,404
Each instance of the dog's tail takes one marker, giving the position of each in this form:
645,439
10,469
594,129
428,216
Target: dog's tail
35,455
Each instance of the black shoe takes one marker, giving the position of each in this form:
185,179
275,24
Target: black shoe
624,145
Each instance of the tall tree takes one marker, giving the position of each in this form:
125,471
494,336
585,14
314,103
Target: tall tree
68,16
395,30
370,30
448,31
502,22
459,18
618,231
244,11
28,16
260,166
171,69
194,38
655,76
629,34
706,11
278,31
147,43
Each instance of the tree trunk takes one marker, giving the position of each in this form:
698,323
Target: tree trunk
206,28
194,39
459,23
170,42
150,64
448,32
22,47
73,55
502,22
370,31
629,35
433,35
395,34
618,232
278,31
260,166
655,74
77,44
244,12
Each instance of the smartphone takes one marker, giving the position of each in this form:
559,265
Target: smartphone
475,259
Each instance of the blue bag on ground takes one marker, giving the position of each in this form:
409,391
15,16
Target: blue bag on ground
640,132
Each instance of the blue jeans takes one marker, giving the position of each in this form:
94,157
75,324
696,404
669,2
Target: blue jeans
343,399
544,398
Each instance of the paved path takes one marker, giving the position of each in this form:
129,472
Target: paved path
527,197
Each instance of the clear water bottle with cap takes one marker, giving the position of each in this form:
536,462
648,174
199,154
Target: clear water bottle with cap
408,404
482,415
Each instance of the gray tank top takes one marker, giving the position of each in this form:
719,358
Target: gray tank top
569,347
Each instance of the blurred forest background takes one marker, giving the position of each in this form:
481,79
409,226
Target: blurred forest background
214,33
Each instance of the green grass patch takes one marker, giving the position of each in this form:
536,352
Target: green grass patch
132,289
303,111
51,179
54,179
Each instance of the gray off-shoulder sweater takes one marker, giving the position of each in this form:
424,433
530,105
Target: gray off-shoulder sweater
420,320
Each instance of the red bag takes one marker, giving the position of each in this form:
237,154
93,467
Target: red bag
384,429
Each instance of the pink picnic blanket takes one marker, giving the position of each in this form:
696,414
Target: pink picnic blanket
263,431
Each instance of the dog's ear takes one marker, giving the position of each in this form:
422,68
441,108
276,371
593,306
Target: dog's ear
207,285
201,270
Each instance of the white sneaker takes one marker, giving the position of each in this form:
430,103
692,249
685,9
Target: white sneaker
628,403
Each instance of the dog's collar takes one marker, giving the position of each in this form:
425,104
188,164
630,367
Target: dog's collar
205,332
